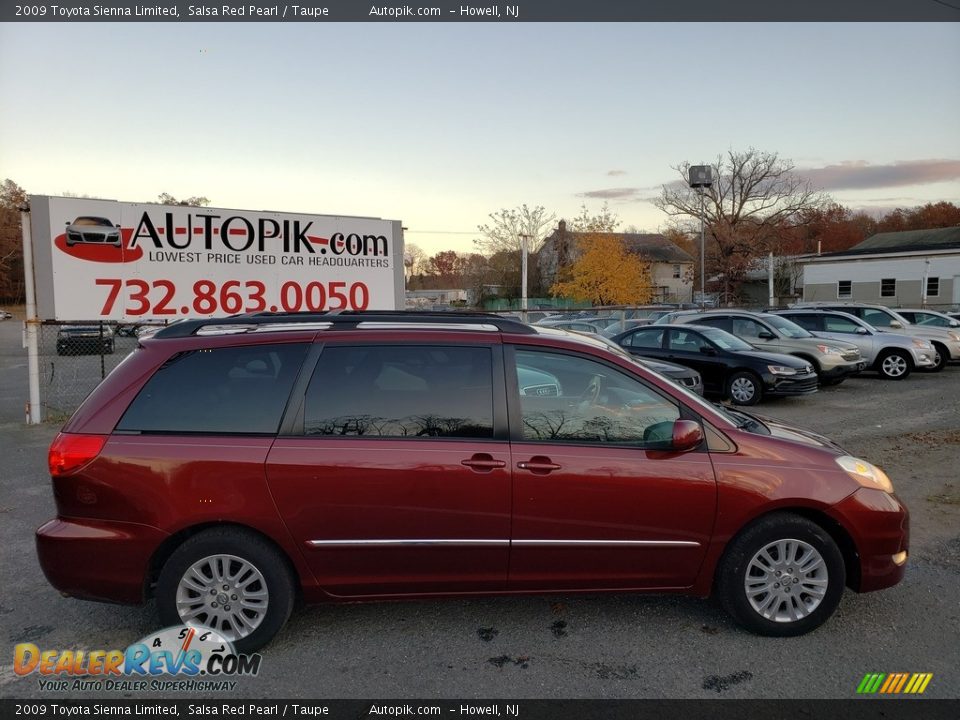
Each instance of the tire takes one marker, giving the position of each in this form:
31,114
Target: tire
744,388
236,554
781,611
894,365
941,359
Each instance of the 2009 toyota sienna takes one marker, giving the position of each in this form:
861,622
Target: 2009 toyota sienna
228,466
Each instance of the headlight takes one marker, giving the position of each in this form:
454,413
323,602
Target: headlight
829,350
922,344
865,473
781,370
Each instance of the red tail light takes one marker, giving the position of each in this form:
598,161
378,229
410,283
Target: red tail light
69,452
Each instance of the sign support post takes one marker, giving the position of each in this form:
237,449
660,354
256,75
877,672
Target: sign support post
30,325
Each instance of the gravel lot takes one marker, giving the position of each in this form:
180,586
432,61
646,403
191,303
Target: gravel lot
563,646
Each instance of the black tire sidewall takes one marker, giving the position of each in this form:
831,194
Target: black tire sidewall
228,541
944,354
733,567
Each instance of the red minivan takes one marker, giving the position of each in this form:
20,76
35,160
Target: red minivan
227,466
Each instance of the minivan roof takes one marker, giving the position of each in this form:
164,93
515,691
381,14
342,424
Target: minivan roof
344,320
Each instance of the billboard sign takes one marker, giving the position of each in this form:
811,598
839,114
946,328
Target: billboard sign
132,262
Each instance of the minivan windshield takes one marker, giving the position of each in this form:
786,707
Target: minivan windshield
787,327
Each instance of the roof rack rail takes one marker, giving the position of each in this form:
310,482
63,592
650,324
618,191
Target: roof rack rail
344,320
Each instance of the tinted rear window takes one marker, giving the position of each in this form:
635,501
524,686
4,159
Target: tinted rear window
401,391
218,390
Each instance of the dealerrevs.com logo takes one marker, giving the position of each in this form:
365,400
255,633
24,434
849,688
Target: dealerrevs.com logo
197,659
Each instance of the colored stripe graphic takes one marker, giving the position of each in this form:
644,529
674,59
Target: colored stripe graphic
894,683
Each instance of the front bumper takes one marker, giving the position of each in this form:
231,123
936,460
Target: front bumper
789,385
693,384
97,559
844,368
923,358
954,347
880,527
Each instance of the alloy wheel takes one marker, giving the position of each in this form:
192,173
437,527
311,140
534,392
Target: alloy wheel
224,593
894,365
786,580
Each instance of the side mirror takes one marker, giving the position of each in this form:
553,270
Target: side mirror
687,435
766,335
896,324
707,350
955,323
861,330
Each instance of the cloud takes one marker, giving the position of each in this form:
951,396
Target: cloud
861,175
612,194
615,173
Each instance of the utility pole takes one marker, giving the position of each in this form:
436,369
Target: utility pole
524,238
701,177
31,325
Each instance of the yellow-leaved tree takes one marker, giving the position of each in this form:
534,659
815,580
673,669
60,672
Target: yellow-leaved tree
605,273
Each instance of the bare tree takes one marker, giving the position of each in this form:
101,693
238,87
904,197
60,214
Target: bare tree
414,259
605,221
507,227
756,199
193,201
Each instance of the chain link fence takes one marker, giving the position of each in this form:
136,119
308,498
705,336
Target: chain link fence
74,358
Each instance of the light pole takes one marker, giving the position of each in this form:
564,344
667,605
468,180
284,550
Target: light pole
700,177
523,273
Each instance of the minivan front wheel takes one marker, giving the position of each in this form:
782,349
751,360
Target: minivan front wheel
227,580
783,576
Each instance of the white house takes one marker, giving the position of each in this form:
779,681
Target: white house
897,269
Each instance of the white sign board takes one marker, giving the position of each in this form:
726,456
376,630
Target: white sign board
109,260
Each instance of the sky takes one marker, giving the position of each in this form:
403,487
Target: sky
439,125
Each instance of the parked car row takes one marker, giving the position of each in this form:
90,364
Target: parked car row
744,356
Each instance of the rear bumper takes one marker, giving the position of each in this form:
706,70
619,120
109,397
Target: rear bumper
80,346
880,526
96,559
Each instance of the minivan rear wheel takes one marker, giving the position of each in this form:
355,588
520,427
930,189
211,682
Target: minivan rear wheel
228,580
782,576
